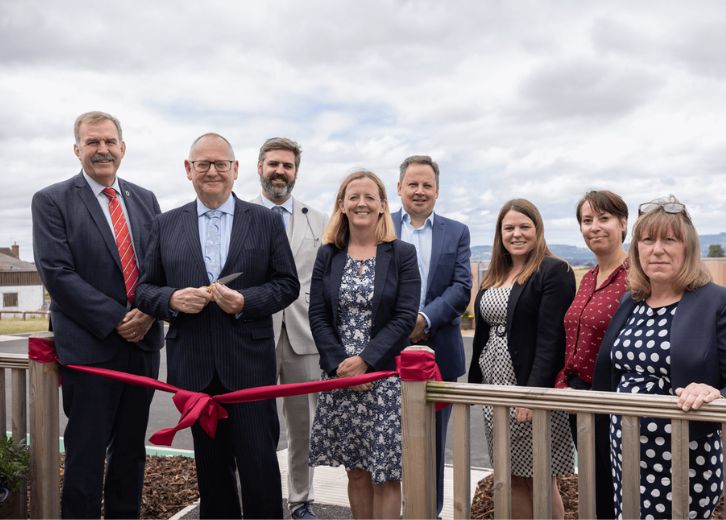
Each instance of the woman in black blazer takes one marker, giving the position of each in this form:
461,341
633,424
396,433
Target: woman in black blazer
363,305
668,337
520,339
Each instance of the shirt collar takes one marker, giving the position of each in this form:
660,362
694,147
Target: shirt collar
226,207
429,222
96,187
287,205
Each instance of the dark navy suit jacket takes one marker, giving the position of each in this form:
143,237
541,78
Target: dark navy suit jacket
240,349
698,345
535,325
397,286
78,261
448,291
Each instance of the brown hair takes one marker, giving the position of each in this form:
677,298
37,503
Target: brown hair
337,231
604,201
280,143
658,223
501,261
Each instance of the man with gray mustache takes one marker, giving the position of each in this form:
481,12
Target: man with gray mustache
89,236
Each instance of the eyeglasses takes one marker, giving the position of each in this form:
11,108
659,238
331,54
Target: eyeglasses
203,166
668,207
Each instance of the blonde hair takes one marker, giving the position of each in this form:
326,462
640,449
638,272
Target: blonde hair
337,231
659,223
501,261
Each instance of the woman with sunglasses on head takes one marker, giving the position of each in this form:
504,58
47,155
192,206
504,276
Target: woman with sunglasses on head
668,337
520,340
603,219
363,306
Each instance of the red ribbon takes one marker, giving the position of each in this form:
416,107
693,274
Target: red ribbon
416,365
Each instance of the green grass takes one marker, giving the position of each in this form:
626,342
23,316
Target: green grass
16,325
579,273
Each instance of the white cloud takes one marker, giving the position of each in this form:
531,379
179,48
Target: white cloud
538,99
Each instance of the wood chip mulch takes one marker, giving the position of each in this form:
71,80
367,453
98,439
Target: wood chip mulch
483,506
170,485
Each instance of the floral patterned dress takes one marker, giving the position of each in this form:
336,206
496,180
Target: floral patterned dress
358,430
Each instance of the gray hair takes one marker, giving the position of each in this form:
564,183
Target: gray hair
281,143
418,159
94,117
209,134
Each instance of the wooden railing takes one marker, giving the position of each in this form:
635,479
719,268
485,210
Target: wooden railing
40,412
419,485
24,314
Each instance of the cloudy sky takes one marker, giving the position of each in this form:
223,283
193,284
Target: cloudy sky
536,99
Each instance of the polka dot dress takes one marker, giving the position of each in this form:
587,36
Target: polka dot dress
496,367
642,353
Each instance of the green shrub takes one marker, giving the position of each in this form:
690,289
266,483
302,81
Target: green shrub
14,463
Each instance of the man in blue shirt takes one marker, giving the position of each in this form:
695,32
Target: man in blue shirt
442,247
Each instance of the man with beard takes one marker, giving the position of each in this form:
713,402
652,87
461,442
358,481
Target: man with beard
89,234
442,247
297,357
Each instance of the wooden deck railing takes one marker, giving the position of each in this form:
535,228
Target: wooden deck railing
42,411
419,485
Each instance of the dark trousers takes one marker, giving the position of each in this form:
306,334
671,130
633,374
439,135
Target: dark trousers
245,444
106,424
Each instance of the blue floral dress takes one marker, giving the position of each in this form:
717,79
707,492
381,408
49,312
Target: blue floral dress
358,430
642,353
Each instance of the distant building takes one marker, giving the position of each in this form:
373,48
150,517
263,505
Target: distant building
20,285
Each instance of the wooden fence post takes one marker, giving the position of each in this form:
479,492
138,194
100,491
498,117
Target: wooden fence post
418,423
44,452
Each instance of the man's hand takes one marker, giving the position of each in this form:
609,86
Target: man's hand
354,366
134,325
191,300
418,333
229,300
696,395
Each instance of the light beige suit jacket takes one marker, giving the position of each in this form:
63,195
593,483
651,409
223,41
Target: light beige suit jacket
304,234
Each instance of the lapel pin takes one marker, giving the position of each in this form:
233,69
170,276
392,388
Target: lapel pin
127,193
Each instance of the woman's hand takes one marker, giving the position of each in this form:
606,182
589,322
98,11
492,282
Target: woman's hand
695,395
523,414
354,366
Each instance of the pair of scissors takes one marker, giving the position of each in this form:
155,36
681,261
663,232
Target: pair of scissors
226,279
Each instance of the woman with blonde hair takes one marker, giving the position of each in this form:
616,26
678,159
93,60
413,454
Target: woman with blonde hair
520,340
668,337
363,305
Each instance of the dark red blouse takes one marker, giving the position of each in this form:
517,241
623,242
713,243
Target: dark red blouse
586,321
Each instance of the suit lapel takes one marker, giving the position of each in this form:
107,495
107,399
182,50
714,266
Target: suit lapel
299,225
397,221
190,230
383,261
337,265
514,295
89,200
133,210
240,228
438,233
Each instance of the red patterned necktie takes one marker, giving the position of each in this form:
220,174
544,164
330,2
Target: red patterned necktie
123,242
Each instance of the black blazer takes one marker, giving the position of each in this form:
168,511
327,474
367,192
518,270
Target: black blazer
698,345
535,325
78,261
241,350
396,292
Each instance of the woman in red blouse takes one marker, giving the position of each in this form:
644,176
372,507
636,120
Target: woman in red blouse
603,218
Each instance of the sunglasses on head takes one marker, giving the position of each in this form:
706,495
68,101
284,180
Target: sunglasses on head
668,207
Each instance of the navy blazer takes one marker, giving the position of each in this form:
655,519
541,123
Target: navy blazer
535,325
448,292
698,345
397,286
78,262
241,350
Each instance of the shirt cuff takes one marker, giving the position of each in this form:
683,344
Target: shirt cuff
428,322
